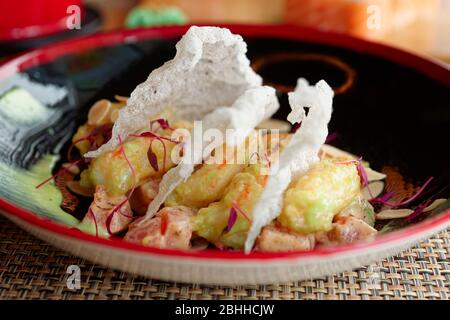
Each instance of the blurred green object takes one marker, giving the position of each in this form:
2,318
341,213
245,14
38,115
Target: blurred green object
145,17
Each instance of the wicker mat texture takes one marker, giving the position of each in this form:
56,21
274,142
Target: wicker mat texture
32,269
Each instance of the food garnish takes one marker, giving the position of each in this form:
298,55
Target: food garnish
301,152
385,202
232,219
94,220
127,198
59,172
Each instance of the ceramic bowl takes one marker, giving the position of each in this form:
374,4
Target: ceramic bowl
391,107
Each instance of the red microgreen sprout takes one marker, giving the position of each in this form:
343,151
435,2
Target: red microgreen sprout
94,219
295,127
88,138
104,130
149,134
164,224
406,201
152,158
163,123
331,137
127,199
383,198
238,209
150,154
361,172
418,211
234,210
231,219
59,172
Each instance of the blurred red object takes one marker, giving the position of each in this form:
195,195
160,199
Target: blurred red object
372,19
34,18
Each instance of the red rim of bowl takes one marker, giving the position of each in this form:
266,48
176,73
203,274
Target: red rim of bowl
429,67
36,31
31,32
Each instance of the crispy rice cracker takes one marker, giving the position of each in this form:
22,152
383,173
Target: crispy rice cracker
299,155
209,70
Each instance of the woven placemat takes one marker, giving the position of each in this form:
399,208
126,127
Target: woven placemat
32,269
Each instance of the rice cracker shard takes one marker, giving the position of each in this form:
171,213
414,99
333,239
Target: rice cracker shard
209,70
299,155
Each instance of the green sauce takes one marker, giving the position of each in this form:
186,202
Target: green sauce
17,186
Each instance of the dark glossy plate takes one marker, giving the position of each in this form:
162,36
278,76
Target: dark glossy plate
391,107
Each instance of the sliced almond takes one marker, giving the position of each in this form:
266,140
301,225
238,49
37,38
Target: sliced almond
114,115
99,112
121,98
393,214
373,175
72,168
436,203
272,124
333,152
376,188
75,187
